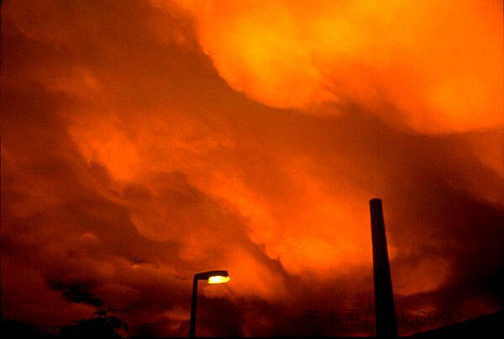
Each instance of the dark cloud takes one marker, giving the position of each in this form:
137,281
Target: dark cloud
129,164
78,293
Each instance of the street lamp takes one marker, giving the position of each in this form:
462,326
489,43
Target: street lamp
213,277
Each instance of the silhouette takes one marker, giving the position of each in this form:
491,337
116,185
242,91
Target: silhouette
488,325
19,329
386,322
202,276
102,326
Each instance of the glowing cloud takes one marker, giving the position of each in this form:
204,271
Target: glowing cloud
440,63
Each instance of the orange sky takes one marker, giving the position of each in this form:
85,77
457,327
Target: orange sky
144,141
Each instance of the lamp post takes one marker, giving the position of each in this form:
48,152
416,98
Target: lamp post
213,277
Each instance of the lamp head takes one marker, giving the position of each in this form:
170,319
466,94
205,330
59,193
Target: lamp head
213,277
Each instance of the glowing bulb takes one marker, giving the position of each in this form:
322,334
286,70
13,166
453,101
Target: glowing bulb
218,279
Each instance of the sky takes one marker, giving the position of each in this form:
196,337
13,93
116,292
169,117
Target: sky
145,141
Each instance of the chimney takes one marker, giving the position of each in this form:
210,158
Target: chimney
386,323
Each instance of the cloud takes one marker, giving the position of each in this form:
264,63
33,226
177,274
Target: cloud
76,293
438,63
138,148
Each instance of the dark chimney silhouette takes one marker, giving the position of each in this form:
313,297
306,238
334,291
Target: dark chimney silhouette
386,323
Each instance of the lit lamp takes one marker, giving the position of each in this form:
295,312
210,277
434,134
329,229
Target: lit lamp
213,277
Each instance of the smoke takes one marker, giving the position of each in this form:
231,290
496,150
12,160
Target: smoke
145,141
